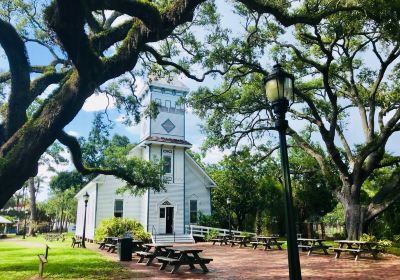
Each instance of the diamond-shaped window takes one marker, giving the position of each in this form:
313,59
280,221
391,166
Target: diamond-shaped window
168,125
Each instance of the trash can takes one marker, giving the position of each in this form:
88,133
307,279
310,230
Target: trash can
125,249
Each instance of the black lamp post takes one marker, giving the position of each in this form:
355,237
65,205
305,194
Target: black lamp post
86,197
228,201
279,90
25,214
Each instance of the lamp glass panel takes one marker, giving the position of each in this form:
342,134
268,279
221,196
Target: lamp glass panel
288,88
271,90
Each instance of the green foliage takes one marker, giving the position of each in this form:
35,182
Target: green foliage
118,227
335,217
251,188
67,179
208,220
213,233
247,234
396,238
382,245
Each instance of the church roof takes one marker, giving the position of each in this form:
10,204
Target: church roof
164,82
167,140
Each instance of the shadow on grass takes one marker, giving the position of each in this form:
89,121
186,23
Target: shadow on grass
19,262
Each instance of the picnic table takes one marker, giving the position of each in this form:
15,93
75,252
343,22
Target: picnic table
310,244
267,242
355,248
159,250
137,245
179,256
109,243
239,239
54,236
221,239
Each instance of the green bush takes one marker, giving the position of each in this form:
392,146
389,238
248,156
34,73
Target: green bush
368,237
118,227
396,238
384,244
211,235
247,234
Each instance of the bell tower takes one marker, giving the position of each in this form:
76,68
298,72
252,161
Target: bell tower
170,122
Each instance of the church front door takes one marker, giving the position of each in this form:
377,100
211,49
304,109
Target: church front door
169,223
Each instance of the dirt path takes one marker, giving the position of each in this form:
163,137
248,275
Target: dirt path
244,263
25,243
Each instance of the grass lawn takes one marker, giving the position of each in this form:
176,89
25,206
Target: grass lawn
19,261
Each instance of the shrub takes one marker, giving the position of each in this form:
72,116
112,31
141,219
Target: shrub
384,244
247,234
118,227
396,238
368,237
211,234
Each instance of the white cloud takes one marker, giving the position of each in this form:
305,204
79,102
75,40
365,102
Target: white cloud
73,133
98,102
214,155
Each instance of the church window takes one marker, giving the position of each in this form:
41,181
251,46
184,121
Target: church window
167,103
167,159
162,212
193,211
118,208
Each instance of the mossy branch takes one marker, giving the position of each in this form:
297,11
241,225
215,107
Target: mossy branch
140,175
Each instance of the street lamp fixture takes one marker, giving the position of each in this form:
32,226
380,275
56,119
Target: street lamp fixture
86,198
279,91
25,214
228,201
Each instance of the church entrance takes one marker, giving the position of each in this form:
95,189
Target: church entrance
166,222
169,223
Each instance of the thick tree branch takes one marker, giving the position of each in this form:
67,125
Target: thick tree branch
39,85
76,154
16,53
286,19
385,197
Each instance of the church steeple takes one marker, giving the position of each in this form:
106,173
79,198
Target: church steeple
170,122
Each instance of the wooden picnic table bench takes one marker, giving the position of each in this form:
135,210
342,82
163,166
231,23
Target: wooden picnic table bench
266,241
179,256
221,239
159,250
43,259
77,242
54,237
311,244
240,240
137,245
355,248
109,243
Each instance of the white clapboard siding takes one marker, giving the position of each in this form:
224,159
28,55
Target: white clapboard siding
174,195
107,195
197,188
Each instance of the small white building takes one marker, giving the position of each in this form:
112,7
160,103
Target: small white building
188,191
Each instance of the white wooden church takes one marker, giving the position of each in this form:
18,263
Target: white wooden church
188,189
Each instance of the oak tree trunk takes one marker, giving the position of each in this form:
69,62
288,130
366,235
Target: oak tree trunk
354,216
32,196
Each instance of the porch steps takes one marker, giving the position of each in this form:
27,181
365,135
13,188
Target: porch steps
169,238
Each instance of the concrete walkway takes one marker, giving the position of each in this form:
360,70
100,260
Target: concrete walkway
244,263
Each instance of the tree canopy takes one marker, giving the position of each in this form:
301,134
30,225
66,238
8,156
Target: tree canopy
96,53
